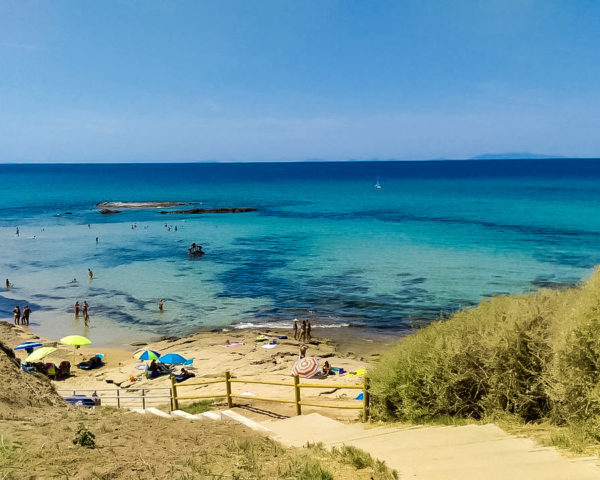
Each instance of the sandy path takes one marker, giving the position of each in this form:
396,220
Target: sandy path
471,452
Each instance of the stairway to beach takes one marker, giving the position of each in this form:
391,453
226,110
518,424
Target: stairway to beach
470,452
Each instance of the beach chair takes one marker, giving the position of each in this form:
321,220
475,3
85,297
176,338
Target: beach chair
50,370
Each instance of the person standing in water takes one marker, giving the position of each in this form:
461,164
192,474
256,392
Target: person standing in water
90,274
160,305
76,309
8,285
17,314
86,315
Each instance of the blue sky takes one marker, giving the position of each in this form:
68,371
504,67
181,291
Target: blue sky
281,80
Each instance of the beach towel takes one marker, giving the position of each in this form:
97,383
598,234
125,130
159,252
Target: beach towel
269,345
234,344
261,338
360,372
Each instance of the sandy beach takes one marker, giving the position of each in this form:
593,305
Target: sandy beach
211,359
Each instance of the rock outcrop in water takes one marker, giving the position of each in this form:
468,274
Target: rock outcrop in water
107,211
109,205
211,210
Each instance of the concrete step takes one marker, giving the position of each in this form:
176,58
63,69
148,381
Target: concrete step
157,412
244,421
209,415
186,415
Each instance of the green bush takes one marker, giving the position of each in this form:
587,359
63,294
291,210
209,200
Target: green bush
84,437
536,356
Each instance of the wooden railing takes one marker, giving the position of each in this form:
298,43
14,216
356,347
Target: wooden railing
297,386
129,398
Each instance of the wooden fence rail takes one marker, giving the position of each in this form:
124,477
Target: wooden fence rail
296,385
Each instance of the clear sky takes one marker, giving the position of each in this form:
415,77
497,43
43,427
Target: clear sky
254,80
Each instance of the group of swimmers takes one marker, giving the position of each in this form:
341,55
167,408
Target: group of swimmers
305,330
21,318
84,312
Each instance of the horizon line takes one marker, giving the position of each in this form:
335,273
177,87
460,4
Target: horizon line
181,162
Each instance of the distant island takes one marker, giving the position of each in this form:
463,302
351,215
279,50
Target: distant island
514,156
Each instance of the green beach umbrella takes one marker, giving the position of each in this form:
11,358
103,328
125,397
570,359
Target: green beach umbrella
39,354
144,354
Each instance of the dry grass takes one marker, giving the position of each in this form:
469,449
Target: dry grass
131,446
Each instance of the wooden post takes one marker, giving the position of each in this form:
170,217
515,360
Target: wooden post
297,395
143,399
366,400
228,388
174,393
118,399
170,400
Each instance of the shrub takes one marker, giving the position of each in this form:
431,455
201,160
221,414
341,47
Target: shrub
536,356
85,438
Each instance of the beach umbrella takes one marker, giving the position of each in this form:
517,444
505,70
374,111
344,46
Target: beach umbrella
28,346
39,354
146,354
75,340
175,359
306,367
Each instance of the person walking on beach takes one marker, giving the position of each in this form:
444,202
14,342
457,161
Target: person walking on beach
303,331
90,274
76,309
160,305
308,329
25,315
17,314
295,328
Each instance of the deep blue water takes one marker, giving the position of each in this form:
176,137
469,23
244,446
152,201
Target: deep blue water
324,243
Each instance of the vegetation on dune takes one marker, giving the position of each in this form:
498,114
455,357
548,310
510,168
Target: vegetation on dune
535,357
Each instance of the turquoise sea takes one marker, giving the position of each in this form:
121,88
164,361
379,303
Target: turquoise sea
323,244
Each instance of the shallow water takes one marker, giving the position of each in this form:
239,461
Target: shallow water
323,244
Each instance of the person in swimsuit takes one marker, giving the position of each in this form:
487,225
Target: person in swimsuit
25,315
17,314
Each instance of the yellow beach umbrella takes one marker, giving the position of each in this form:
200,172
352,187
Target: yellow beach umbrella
75,340
39,354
